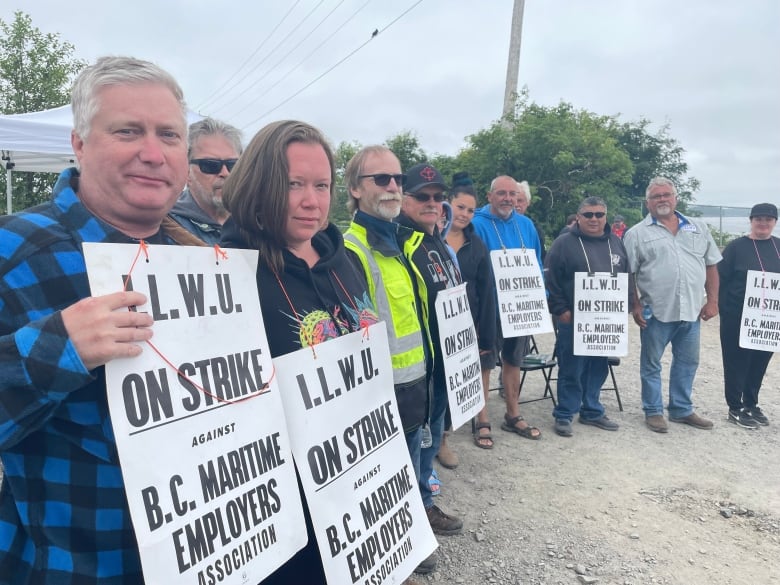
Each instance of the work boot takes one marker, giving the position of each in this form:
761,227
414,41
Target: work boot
603,422
446,456
657,423
693,420
442,523
428,565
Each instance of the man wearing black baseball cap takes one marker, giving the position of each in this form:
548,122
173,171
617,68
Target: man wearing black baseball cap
424,193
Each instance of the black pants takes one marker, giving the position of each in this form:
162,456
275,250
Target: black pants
743,369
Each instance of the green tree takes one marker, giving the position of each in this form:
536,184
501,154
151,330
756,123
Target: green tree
338,207
565,154
652,155
36,73
406,146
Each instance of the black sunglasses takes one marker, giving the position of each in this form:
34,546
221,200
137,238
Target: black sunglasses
383,179
424,197
591,214
213,166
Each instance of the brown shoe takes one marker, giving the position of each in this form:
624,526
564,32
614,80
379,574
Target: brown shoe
446,456
428,565
657,423
442,523
694,420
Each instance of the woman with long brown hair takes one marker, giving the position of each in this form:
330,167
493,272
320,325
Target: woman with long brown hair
279,195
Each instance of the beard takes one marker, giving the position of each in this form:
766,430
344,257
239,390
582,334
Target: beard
216,201
387,208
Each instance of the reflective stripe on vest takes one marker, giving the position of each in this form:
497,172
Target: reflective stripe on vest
404,334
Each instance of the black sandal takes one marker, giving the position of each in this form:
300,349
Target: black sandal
527,431
478,437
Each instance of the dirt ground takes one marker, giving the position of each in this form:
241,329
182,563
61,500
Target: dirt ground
626,507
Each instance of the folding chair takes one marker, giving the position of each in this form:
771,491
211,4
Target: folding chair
532,363
614,361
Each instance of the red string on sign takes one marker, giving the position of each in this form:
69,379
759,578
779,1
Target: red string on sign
143,247
220,253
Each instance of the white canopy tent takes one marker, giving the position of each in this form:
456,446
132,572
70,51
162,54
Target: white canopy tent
35,142
39,142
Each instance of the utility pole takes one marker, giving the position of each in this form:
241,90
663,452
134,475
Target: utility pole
513,63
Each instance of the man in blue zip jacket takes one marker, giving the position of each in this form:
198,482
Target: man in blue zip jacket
500,226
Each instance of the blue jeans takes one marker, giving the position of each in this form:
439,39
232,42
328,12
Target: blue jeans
684,337
413,440
428,454
580,379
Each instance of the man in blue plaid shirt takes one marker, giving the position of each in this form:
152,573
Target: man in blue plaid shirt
63,512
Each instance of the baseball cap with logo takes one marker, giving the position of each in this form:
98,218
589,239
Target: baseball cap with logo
421,176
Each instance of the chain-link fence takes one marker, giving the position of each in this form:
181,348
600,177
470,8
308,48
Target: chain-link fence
728,221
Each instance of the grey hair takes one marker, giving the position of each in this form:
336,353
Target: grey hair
524,187
662,181
592,202
354,169
493,182
212,127
109,71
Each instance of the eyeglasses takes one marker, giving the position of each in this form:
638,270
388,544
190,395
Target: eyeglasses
659,196
504,193
425,197
213,166
592,214
383,179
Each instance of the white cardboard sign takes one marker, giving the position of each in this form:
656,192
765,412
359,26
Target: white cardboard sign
199,424
760,325
601,314
353,459
522,299
459,347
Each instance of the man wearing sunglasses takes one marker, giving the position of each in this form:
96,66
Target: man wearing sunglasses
589,247
421,208
375,182
674,259
214,147
500,226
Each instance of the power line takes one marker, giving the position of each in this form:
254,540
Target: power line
268,56
302,61
304,38
316,79
219,90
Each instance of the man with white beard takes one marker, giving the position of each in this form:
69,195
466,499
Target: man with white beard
673,258
397,289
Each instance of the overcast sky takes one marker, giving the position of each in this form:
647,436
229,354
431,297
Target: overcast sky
708,68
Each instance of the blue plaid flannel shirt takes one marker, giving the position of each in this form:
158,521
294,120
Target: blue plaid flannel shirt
63,512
